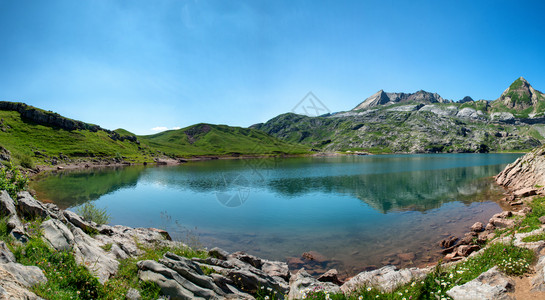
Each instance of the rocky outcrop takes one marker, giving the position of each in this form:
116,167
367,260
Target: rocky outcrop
490,285
526,173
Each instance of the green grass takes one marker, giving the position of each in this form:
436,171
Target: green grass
208,139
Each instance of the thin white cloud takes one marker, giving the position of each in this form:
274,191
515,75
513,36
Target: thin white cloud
163,128
159,128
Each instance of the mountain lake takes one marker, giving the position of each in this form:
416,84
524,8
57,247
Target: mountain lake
352,213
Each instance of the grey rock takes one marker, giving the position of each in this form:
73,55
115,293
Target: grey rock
133,294
490,285
12,288
57,234
302,282
89,253
502,116
387,278
330,276
276,268
218,253
7,208
30,207
470,113
538,281
5,255
477,227
27,275
78,221
173,284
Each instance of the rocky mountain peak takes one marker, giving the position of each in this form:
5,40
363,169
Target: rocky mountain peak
520,95
383,98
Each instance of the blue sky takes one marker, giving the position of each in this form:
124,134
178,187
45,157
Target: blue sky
147,64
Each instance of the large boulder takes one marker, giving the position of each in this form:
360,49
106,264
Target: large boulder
490,285
386,279
30,207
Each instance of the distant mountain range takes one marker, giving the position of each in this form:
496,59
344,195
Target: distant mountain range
420,122
423,122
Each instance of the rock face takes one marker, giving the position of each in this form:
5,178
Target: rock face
490,285
386,278
526,173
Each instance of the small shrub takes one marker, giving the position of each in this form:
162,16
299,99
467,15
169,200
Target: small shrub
12,180
92,213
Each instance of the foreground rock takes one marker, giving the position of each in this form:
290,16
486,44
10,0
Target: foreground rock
387,279
16,279
235,276
490,285
302,282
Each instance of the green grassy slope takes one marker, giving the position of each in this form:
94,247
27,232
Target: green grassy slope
208,139
24,138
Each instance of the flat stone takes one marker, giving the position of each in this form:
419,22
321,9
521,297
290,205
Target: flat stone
542,219
524,192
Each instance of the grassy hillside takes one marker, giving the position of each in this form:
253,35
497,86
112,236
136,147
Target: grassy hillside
26,140
34,136
207,139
